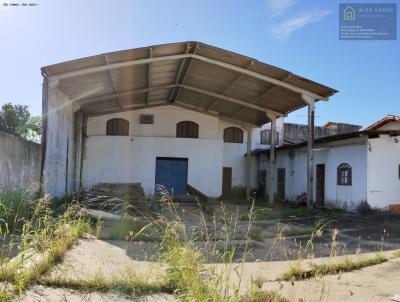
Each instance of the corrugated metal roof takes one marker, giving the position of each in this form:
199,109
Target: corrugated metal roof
188,74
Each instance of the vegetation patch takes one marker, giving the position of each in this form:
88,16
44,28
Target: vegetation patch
263,296
130,228
295,213
127,285
347,265
41,235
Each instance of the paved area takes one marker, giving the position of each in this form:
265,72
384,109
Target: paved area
266,258
46,294
278,240
92,256
371,284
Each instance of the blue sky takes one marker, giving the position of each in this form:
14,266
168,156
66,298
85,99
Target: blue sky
301,36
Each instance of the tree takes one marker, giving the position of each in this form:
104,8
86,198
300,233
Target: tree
17,120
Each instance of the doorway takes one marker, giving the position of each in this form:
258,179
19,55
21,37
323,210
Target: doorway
172,174
226,181
320,185
281,184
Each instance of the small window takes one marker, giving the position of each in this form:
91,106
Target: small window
344,175
233,135
117,126
147,119
187,129
265,139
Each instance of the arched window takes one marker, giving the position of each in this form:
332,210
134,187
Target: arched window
117,126
187,129
233,135
344,175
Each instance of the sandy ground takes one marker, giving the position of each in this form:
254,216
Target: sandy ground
91,257
371,284
44,294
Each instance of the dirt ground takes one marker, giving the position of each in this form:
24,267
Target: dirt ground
270,255
45,294
92,256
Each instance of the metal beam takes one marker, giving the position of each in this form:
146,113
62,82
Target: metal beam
230,99
112,78
179,73
129,108
238,69
149,75
262,95
115,95
230,85
211,113
198,90
186,72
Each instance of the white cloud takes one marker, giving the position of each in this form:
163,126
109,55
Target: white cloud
279,7
286,28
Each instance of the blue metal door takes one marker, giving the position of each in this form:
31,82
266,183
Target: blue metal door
172,174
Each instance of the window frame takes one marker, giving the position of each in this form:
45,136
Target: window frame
187,129
344,175
117,127
143,120
236,137
267,137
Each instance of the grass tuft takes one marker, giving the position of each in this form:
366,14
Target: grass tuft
297,273
123,285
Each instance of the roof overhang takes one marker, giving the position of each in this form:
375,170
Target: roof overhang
382,122
191,75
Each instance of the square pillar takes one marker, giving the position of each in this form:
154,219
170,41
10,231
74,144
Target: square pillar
272,166
310,150
248,162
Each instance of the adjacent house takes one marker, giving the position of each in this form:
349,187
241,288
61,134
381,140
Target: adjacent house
352,170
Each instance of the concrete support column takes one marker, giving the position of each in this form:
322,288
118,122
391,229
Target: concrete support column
78,146
45,91
248,162
272,166
310,151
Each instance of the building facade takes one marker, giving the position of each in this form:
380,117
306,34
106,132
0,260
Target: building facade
352,170
196,148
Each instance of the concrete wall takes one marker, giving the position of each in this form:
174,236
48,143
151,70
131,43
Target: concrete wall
132,158
297,133
383,171
256,136
352,151
19,162
58,170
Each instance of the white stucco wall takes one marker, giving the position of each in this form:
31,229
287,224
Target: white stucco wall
256,136
132,158
347,197
233,154
383,171
353,152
